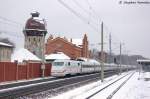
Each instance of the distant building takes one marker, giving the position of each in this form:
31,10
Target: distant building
145,64
34,32
5,52
73,48
104,56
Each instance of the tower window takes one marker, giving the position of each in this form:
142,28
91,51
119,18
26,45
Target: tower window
34,39
68,63
29,39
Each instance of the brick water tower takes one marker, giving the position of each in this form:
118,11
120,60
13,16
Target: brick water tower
34,32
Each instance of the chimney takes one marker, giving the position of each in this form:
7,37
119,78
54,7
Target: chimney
35,14
71,40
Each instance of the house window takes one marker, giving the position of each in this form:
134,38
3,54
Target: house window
3,55
0,54
78,64
7,54
68,63
34,39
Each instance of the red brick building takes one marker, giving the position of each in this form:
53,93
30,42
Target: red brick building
73,48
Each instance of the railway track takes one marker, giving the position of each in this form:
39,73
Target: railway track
113,87
26,82
22,83
23,90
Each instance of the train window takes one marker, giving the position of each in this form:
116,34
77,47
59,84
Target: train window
34,39
68,63
78,64
58,63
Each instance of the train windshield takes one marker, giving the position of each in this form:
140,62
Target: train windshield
58,63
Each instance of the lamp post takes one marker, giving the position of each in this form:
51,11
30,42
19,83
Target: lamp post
102,56
120,59
120,63
43,56
43,49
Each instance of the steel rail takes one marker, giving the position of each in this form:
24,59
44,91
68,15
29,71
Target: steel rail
117,89
106,87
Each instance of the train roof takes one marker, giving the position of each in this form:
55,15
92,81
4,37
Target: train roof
64,60
143,60
94,61
87,60
90,61
58,55
111,64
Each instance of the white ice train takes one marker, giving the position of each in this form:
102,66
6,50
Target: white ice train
80,66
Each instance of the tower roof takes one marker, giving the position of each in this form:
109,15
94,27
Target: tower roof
35,23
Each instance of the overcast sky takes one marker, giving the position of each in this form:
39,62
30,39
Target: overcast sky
127,23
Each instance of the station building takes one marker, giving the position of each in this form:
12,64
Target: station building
145,64
73,48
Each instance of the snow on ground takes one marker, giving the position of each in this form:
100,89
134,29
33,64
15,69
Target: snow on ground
138,87
84,91
108,91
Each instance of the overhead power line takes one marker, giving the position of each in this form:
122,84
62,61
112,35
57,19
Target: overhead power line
92,14
9,24
79,5
85,20
10,21
10,33
93,11
92,18
85,10
6,21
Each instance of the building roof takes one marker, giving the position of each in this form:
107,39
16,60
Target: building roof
38,19
77,42
5,44
58,55
143,60
88,60
23,54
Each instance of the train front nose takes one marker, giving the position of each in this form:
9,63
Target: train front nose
58,71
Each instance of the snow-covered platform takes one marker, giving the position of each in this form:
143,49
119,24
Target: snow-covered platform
137,87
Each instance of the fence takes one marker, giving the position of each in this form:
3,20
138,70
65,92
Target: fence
11,71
